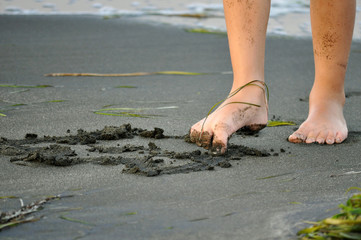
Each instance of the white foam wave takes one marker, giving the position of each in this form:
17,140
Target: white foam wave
287,17
135,8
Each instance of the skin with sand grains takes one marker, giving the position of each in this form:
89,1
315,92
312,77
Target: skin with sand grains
244,108
332,24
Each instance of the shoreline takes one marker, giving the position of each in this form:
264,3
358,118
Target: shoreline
288,18
281,26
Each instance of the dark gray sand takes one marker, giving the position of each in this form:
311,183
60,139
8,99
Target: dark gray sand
148,161
125,182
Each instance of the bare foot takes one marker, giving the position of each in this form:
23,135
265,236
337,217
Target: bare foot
325,122
213,132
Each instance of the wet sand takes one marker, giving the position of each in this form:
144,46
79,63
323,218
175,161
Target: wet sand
229,202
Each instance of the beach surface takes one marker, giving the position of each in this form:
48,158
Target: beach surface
255,197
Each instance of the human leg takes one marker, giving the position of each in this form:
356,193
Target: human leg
246,22
332,27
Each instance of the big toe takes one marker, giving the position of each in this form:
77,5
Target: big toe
205,139
194,135
297,137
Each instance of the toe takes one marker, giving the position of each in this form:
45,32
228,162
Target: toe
219,145
205,139
297,137
194,135
321,138
340,137
311,137
220,139
195,131
330,138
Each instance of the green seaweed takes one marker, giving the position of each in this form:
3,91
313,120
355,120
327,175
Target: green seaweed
18,104
10,224
179,73
345,225
280,123
126,114
131,112
199,219
131,213
274,176
23,86
6,197
352,188
288,180
137,109
156,13
15,106
17,222
229,214
204,30
76,220
189,15
106,17
9,108
135,74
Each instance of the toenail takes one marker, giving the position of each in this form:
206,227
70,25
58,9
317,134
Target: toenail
300,136
338,140
329,141
294,139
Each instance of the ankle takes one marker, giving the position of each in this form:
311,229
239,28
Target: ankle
244,78
327,95
248,85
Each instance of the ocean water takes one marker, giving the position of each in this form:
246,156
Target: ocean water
287,17
135,7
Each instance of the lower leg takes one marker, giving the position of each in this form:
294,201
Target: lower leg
246,22
332,28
